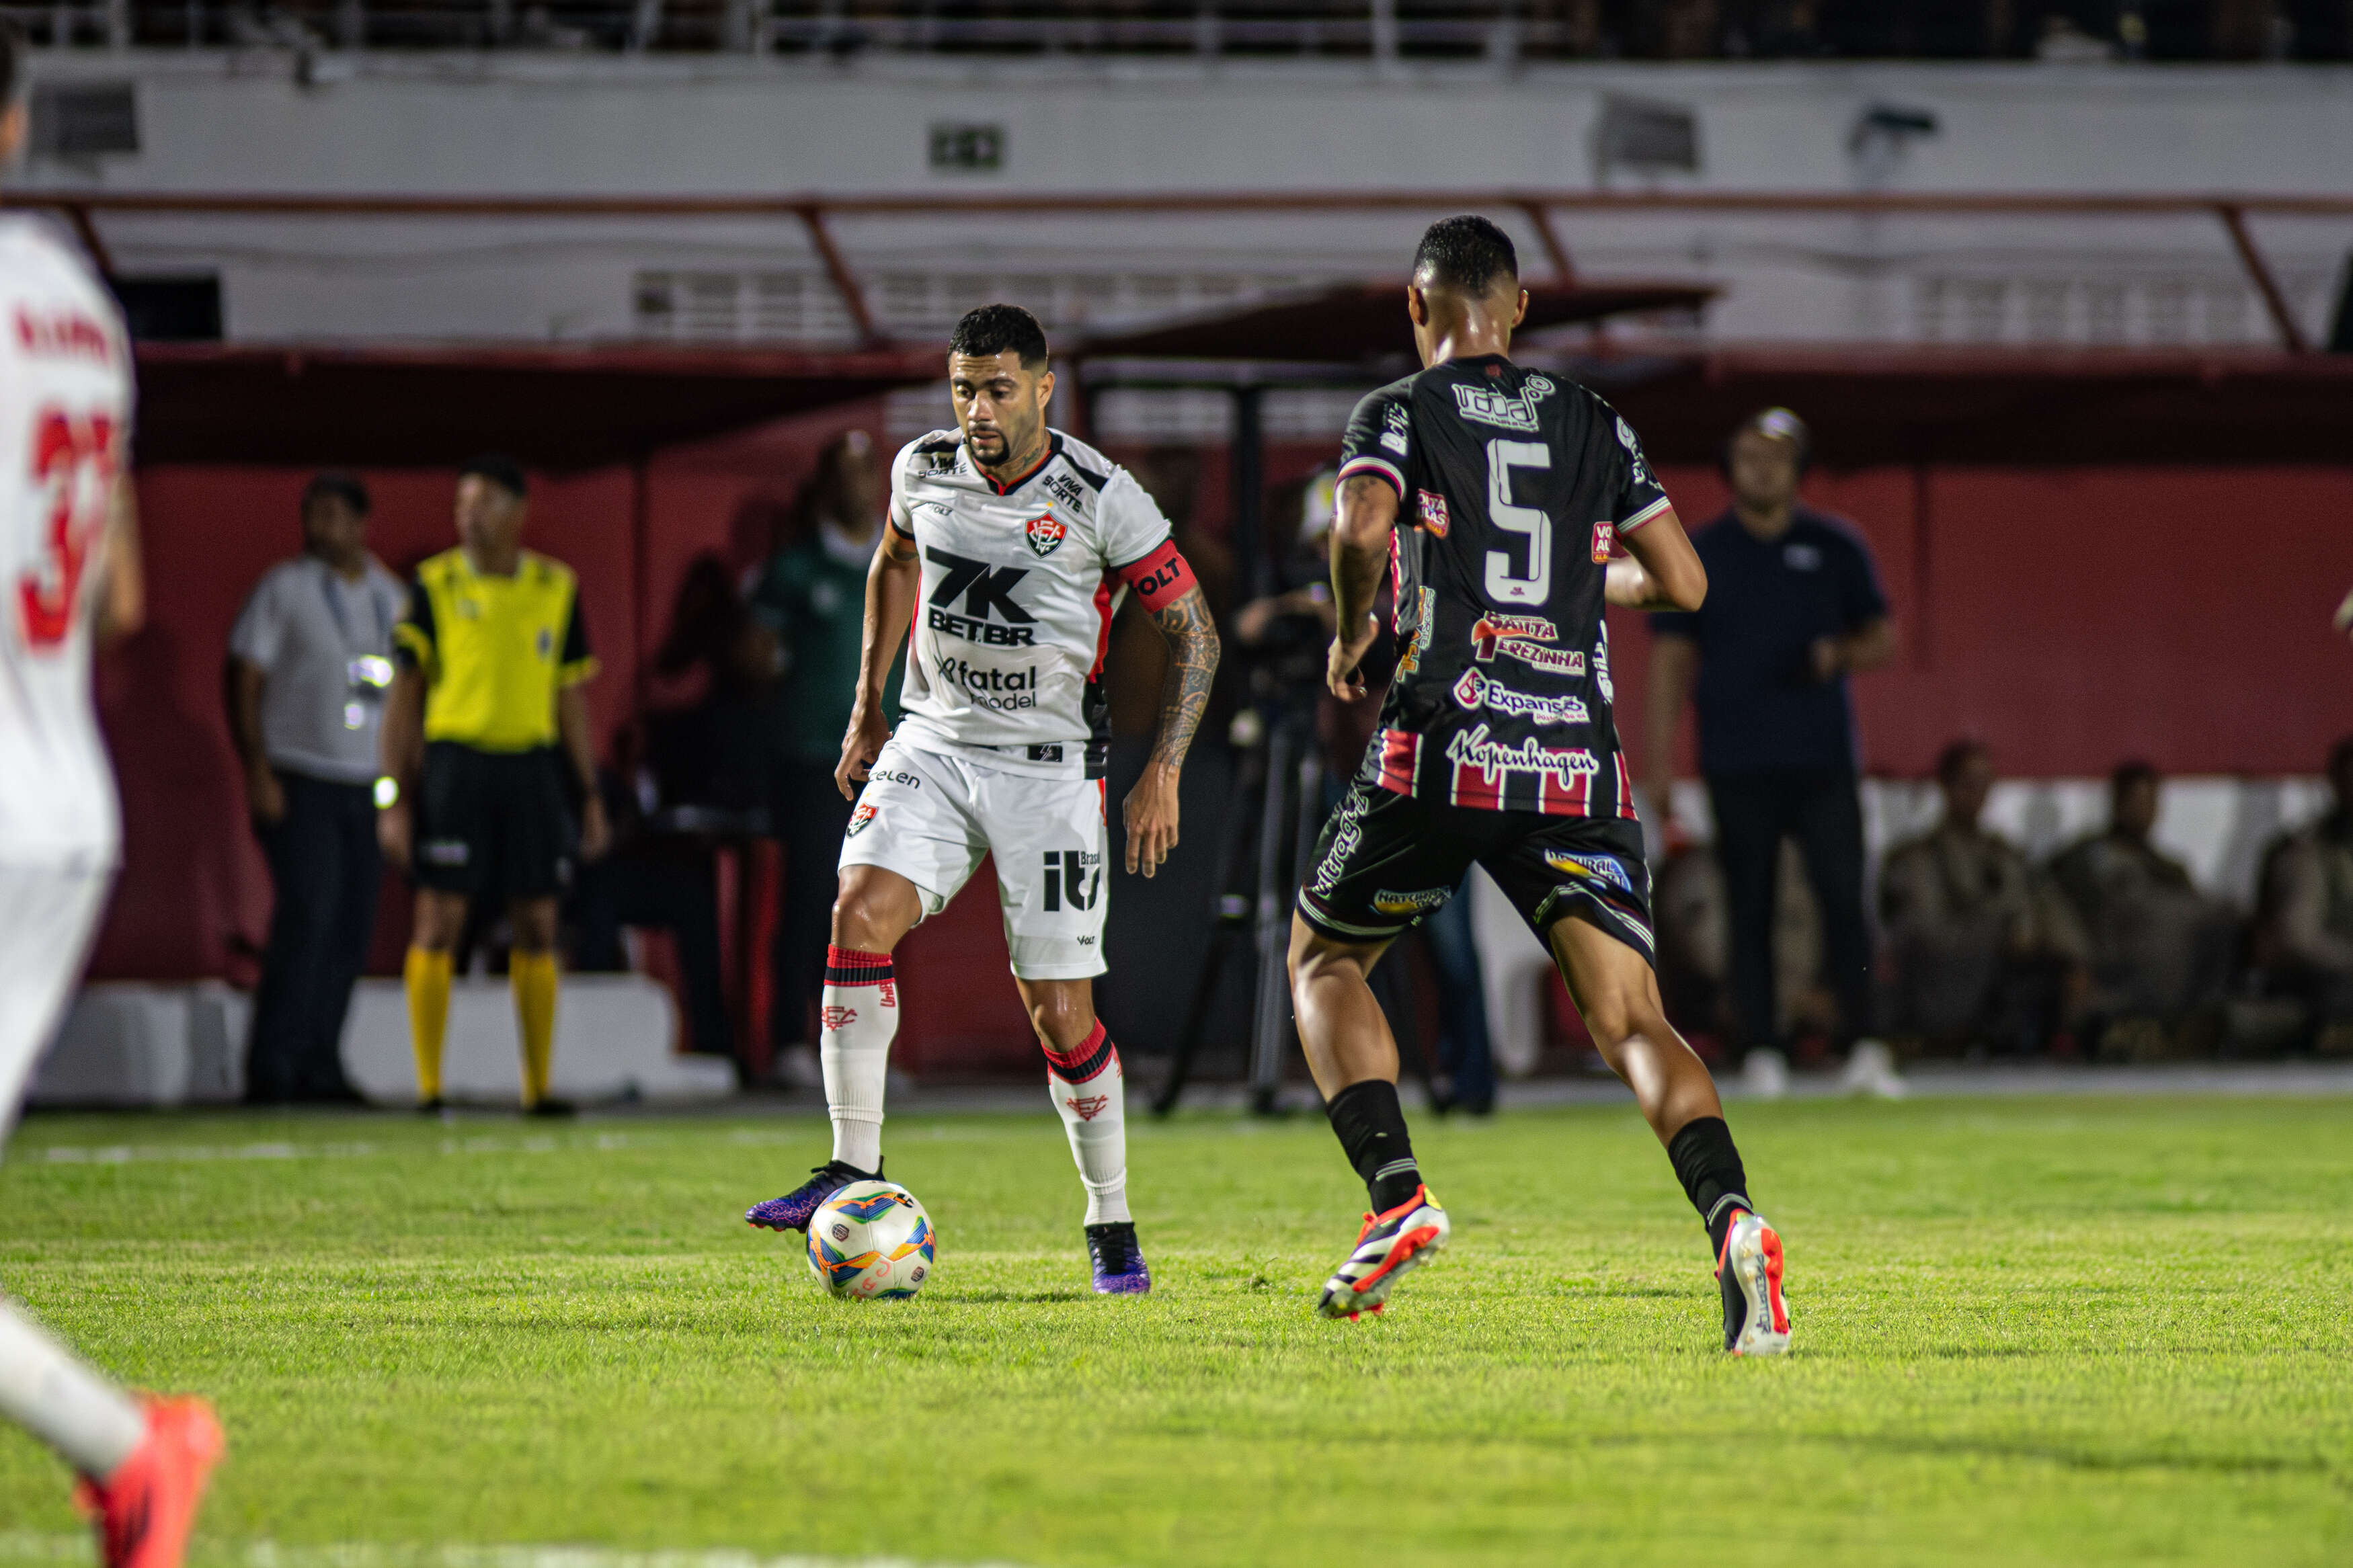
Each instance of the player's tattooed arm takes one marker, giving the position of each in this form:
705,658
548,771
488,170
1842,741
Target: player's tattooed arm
1151,810
1193,650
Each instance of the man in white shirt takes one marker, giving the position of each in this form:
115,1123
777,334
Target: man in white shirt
310,661
1009,547
69,552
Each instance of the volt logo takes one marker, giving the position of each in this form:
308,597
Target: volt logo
986,591
1067,877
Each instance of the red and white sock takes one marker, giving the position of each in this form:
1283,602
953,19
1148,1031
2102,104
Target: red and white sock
1090,1091
860,1016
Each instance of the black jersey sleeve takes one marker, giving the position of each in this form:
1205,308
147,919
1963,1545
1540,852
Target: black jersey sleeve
413,639
1379,441
1639,497
579,664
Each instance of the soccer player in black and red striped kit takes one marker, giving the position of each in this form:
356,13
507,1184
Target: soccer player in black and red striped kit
1497,494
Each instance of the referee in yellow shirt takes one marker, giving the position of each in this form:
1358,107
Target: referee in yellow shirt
485,715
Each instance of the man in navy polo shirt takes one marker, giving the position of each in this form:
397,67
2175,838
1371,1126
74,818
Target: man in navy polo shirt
1793,608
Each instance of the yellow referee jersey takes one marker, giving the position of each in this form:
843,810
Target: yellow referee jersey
494,650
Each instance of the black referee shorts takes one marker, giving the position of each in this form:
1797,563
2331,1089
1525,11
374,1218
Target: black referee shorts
1386,859
492,824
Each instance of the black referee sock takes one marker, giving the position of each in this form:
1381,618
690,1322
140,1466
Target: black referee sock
1709,1168
1371,1127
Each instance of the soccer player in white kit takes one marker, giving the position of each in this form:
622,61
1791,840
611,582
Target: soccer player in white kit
69,555
1009,547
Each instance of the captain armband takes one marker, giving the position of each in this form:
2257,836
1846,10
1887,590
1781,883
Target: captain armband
1159,579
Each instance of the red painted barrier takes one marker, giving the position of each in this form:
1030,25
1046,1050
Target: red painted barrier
2070,617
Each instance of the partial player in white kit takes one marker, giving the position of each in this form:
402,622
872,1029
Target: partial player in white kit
68,550
1009,547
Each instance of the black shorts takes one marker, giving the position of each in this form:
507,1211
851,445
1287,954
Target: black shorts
492,824
1386,859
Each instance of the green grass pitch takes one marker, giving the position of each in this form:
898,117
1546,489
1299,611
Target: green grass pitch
2028,1331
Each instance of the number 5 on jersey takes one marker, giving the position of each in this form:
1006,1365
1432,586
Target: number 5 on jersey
1505,585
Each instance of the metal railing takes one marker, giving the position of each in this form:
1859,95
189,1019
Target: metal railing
1500,30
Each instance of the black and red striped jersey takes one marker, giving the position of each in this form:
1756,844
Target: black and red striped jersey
1513,486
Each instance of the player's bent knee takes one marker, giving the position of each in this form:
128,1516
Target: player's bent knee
873,909
1061,1021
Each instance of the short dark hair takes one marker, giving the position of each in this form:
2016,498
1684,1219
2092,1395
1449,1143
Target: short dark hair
2130,773
991,330
1951,761
501,470
1468,253
347,488
12,59
2340,756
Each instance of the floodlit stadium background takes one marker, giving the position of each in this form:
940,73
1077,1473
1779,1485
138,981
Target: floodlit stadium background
2064,294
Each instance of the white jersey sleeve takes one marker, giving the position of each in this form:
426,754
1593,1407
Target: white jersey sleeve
900,517
65,437
1131,521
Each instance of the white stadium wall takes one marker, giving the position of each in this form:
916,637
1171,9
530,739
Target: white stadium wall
252,121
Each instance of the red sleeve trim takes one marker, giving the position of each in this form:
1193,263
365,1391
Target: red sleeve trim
1643,516
1369,464
1160,578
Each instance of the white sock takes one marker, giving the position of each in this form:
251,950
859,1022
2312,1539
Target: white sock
861,1015
45,1390
1090,1090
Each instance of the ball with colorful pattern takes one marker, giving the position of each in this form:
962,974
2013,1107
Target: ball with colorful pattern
871,1241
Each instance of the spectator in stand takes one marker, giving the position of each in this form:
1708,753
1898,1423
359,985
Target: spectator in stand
2153,947
1794,606
810,601
1968,923
309,662
2303,944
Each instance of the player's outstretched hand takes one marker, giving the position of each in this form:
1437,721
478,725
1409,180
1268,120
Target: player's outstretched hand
1342,672
860,744
1151,818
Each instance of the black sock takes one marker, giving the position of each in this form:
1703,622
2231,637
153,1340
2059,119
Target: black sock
1371,1127
1709,1168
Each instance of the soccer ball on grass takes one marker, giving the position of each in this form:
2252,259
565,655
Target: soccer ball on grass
870,1241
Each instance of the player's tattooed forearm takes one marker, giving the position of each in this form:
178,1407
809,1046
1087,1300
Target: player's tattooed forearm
1192,637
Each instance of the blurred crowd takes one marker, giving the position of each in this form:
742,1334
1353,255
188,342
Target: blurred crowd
2104,950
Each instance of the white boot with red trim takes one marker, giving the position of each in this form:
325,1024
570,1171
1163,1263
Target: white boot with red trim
1755,1317
1389,1243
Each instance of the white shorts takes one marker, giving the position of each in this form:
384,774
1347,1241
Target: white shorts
48,916
930,816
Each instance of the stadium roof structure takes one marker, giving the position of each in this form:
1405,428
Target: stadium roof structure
564,407
1365,324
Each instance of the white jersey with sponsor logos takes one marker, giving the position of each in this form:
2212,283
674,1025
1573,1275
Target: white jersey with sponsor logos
65,427
1018,588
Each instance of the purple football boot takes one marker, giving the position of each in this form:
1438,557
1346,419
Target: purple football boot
792,1211
1119,1268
